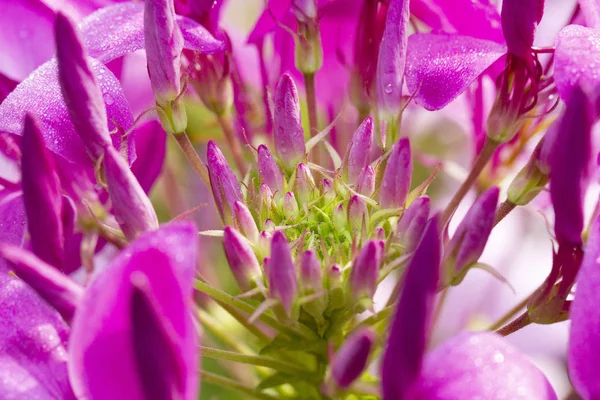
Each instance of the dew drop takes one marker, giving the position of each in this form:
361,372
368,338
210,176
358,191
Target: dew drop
108,99
388,88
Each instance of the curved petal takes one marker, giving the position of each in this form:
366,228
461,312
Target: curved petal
441,67
147,286
40,95
266,23
13,220
576,59
481,366
591,12
114,31
584,341
151,144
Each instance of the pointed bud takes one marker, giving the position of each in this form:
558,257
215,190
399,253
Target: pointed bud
530,181
242,260
264,243
245,221
411,225
392,58
328,191
364,273
223,182
290,206
212,80
131,206
403,357
56,288
358,153
379,234
310,272
351,359
396,178
268,169
340,218
337,297
309,49
366,182
42,197
519,20
283,284
472,234
266,201
305,183
358,215
288,134
80,89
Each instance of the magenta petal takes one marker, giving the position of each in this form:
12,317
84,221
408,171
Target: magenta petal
584,342
441,67
40,96
114,31
591,12
480,366
266,23
12,217
151,145
105,361
576,59
27,39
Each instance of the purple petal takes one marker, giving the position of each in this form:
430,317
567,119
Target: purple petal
576,59
584,343
40,95
519,20
480,366
351,359
266,23
151,145
27,39
283,283
591,12
104,360
117,30
12,217
33,338
441,67
403,357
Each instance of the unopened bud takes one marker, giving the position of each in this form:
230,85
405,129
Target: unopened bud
412,224
245,221
310,272
397,176
364,273
242,260
305,183
268,169
358,153
290,206
283,284
337,297
351,359
288,134
366,182
309,50
530,181
358,215
328,191
224,184
340,218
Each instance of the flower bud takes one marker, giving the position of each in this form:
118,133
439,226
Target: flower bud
290,206
310,272
80,89
268,170
358,215
358,153
396,178
392,58
411,225
364,273
337,297
379,234
264,243
351,359
223,182
340,218
131,206
366,182
212,81
42,197
472,234
266,201
309,50
529,181
288,134
244,221
283,284
242,260
56,288
328,191
305,183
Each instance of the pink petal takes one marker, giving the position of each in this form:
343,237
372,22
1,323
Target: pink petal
577,59
27,38
584,340
591,12
266,23
441,67
481,366
40,95
151,141
117,30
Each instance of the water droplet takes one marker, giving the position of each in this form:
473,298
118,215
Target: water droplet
388,88
498,357
108,99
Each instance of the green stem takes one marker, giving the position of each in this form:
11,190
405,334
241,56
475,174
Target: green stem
194,159
209,377
243,320
480,162
515,325
505,208
510,314
277,365
376,318
212,325
297,330
311,102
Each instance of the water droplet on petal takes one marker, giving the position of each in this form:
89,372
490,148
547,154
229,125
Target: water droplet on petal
108,99
388,88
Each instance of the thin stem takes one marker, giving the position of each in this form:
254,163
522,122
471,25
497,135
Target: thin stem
482,159
510,314
298,330
194,159
376,318
233,142
515,325
311,102
209,377
505,208
273,363
212,325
